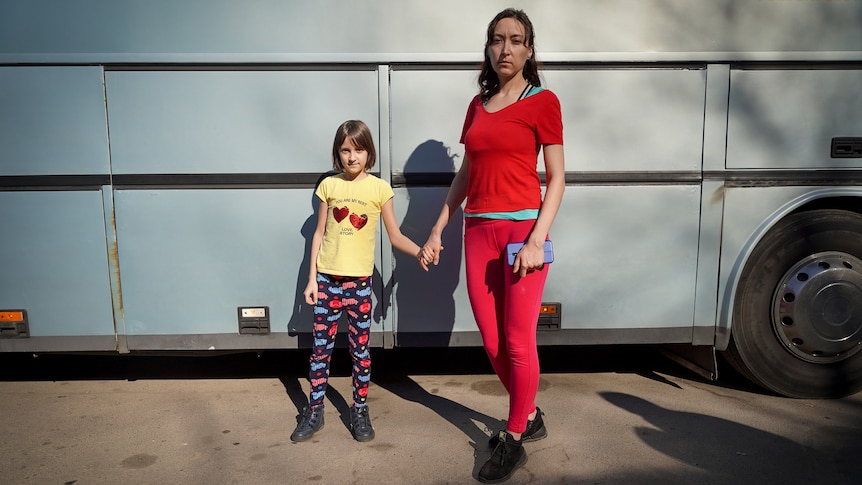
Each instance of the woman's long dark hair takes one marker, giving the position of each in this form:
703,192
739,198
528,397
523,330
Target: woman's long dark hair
489,83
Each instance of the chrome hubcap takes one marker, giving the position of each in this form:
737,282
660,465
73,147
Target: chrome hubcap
817,307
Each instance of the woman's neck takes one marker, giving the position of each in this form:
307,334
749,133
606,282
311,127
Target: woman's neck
513,86
510,91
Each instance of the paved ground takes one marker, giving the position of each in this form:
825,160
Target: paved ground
616,415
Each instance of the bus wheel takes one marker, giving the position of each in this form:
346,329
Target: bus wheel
797,321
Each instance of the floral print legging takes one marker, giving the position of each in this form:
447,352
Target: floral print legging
336,295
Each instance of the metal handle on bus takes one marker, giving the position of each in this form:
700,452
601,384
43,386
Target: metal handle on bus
847,147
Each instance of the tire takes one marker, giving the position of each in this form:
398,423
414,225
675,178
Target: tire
797,319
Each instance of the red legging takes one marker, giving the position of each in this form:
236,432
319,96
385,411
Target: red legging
506,309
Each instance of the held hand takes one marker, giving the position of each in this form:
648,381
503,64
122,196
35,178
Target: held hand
430,252
311,293
423,259
426,256
529,259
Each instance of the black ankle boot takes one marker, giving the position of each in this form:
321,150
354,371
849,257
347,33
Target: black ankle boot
309,422
360,424
534,432
508,455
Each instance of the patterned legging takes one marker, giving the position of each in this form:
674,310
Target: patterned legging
335,295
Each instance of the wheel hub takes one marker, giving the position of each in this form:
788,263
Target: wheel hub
817,307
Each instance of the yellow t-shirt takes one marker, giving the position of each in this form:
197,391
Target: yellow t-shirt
354,209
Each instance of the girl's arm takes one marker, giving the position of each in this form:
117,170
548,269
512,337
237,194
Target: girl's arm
311,288
532,255
454,198
398,239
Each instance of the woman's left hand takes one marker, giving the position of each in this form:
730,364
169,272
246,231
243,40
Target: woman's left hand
530,258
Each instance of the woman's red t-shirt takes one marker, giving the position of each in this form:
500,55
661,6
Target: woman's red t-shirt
503,149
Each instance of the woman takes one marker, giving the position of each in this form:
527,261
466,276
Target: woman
507,123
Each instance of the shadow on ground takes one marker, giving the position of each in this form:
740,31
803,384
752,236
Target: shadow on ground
293,364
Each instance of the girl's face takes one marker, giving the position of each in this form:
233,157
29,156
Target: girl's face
508,52
353,158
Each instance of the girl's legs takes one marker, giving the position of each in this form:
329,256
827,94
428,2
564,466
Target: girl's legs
336,295
506,309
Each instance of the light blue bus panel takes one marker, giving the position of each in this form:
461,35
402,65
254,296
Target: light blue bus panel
427,109
631,120
626,258
233,121
613,120
54,264
787,118
52,121
625,268
190,258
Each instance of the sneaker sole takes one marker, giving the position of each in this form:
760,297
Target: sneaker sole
362,439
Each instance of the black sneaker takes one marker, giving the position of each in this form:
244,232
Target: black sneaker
360,424
534,432
508,455
309,422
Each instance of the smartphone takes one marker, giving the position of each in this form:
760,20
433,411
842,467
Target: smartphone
512,250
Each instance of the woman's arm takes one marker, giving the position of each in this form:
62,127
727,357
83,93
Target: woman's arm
311,288
454,198
532,255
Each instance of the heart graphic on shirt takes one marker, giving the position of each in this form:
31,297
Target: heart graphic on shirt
358,221
340,213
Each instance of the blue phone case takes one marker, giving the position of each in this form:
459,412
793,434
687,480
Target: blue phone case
512,250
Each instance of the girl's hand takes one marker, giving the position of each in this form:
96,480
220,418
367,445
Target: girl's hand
311,293
530,258
430,252
423,258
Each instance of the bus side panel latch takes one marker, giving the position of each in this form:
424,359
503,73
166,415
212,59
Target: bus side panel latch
847,147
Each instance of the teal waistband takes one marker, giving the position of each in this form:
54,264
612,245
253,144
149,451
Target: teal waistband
521,215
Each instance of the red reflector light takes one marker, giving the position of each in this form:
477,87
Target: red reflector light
11,316
548,309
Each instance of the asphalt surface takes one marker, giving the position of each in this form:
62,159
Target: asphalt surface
615,415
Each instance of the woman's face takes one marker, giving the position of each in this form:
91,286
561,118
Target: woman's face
508,51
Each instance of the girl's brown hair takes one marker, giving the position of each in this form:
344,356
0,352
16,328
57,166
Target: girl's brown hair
359,133
489,83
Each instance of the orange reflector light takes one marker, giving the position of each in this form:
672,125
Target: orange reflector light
548,309
11,316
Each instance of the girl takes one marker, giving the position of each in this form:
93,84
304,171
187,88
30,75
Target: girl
341,265
506,124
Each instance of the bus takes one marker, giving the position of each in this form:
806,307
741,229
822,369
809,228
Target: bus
158,162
